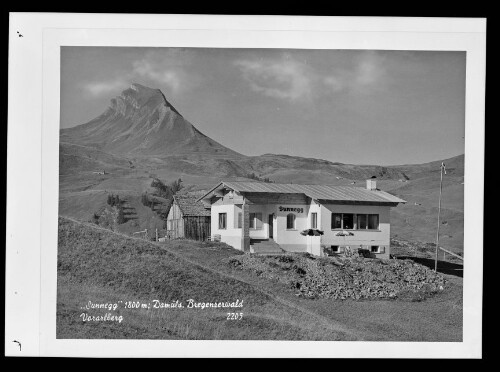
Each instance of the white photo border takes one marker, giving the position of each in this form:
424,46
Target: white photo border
33,144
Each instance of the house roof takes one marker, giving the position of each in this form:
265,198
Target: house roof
190,206
317,192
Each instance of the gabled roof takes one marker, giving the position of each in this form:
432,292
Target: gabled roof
190,206
316,192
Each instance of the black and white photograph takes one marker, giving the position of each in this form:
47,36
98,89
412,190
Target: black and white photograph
256,192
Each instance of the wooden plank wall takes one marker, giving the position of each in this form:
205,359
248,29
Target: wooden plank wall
175,222
197,227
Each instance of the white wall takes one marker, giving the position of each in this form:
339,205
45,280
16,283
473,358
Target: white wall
266,210
365,238
292,240
314,242
231,235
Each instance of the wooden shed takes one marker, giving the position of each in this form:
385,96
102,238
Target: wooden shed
188,218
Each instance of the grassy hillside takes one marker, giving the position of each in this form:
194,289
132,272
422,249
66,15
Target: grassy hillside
417,220
98,265
101,266
82,191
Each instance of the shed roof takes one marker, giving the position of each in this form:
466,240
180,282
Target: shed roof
317,192
190,206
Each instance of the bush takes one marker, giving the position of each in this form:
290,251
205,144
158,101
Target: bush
145,199
113,200
120,217
95,219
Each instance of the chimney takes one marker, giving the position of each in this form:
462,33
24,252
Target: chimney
371,183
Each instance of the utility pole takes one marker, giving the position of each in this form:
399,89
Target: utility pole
439,215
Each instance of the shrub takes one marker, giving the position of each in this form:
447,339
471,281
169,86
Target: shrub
120,217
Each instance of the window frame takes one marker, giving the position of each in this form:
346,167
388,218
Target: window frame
294,222
225,220
358,215
354,221
367,221
314,220
254,220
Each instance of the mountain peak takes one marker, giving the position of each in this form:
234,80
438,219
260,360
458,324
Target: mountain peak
141,121
141,95
139,87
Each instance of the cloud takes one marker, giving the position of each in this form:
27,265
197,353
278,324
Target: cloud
172,78
366,74
369,70
288,79
102,88
167,68
335,84
162,68
284,79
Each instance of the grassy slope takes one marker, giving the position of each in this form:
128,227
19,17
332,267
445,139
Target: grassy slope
102,266
99,265
419,222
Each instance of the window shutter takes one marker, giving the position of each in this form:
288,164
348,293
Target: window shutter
240,221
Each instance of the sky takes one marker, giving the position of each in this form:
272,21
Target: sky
349,106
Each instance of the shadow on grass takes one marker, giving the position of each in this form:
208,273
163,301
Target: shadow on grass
443,267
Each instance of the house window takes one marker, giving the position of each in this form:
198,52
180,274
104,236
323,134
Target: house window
348,221
373,221
367,221
362,218
374,249
239,223
222,221
336,220
314,220
343,221
256,221
334,248
290,221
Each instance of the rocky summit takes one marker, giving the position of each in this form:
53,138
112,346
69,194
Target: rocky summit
141,121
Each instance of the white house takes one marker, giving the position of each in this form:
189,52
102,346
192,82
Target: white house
264,217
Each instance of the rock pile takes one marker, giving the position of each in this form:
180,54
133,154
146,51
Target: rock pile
342,278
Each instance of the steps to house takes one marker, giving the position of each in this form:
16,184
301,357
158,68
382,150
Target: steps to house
265,246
